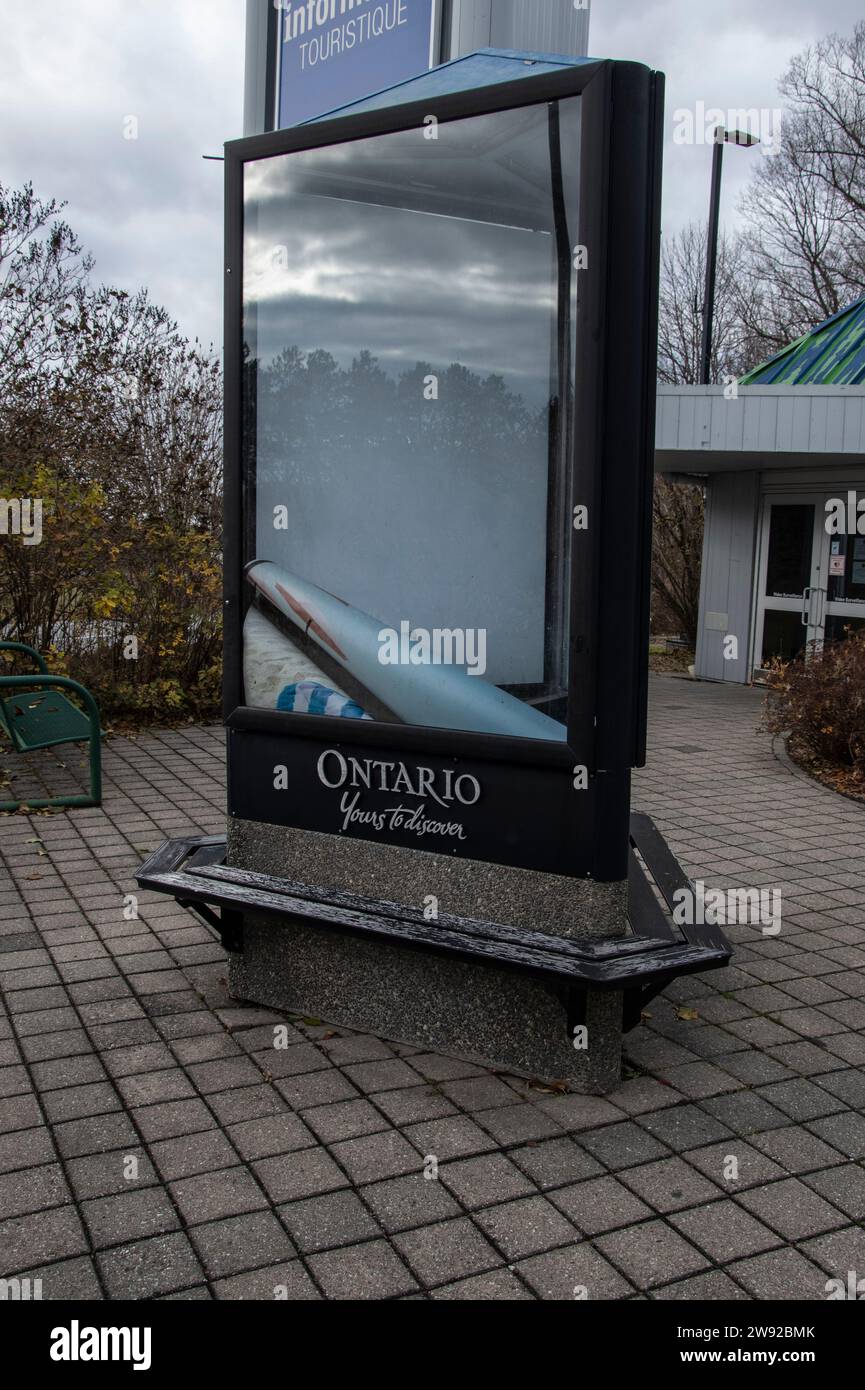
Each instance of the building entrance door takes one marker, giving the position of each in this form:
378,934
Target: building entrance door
811,584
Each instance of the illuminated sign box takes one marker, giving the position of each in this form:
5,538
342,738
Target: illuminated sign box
439,370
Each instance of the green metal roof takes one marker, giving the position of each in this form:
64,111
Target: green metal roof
832,354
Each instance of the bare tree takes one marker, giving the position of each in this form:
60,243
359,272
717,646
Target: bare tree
683,271
806,204
677,510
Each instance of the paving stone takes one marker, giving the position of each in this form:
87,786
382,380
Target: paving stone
526,1227
67,1071
715,1286
321,1088
651,1254
369,1271
77,1102
337,1218
576,1113
299,1060
172,1118
455,1137
447,1251
150,1267
779,1274
128,1216
641,1094
270,1135
402,1203
40,1237
683,1127
839,1254
32,1190
370,1077
355,1047
25,1148
746,1112
624,1145
577,1271
345,1120
301,1174
801,1099
700,1079
96,1134
600,1204
724,1231
413,1104
844,1187
103,1174
514,1124
670,1184
285,1282
499,1286
66,1281
480,1182
19,1112
385,1155
797,1150
791,1209
155,1088
210,1196
189,1154
241,1243
246,1103
846,1132
478,1093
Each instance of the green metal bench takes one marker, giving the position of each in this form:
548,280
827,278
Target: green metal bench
39,716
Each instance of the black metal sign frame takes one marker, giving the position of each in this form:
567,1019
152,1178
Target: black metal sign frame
532,810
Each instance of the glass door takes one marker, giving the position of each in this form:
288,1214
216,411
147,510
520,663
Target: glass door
791,603
842,565
811,584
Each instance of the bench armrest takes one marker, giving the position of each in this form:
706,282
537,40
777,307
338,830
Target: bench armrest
31,651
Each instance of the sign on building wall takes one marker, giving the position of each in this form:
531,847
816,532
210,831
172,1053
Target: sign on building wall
335,51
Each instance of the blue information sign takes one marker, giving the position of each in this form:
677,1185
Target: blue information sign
336,51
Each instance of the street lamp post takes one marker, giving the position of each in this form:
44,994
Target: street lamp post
722,137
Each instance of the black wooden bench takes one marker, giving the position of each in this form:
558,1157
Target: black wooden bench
194,872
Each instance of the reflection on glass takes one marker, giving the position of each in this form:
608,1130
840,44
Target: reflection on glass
409,309
839,627
784,636
791,537
847,569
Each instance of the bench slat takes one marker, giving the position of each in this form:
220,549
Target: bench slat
643,967
41,719
492,931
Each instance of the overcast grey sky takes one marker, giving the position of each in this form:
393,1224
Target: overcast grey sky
150,209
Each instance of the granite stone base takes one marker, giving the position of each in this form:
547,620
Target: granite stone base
496,1017
571,907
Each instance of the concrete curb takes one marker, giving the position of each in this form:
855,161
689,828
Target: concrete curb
781,752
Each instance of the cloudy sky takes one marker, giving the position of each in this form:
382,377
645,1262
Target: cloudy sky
72,74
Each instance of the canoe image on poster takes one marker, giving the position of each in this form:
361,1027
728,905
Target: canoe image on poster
423,692
332,52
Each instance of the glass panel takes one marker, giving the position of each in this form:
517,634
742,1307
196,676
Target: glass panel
784,636
839,626
846,582
791,540
409,343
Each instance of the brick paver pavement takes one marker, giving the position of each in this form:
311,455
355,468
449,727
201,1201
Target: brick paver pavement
153,1143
